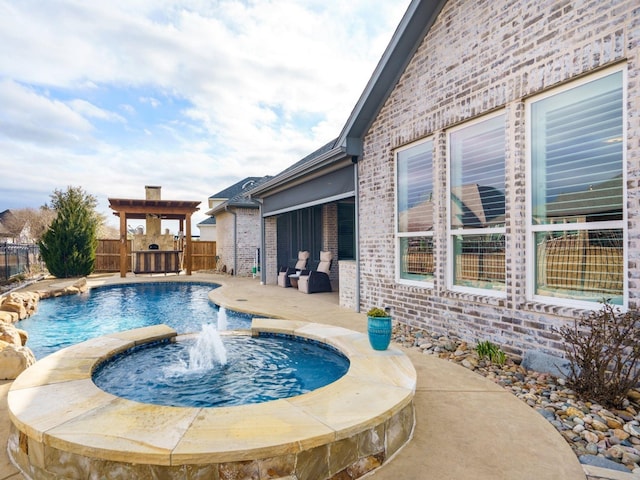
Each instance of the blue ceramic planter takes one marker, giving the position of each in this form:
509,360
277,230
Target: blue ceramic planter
379,330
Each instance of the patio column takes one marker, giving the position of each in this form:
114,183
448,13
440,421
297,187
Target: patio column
188,242
123,244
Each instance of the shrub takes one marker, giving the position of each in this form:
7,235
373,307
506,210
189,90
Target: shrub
377,312
491,352
68,247
603,349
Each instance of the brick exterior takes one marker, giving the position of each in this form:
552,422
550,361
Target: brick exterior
330,239
270,256
480,57
242,243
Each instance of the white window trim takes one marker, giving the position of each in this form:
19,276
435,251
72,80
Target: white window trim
399,235
617,224
449,275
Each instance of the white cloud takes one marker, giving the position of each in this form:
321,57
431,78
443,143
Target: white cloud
220,87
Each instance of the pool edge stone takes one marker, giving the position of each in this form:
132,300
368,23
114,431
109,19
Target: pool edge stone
343,442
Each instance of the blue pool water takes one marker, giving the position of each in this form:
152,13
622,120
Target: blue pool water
254,370
64,321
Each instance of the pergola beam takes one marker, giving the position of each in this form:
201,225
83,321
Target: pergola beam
127,208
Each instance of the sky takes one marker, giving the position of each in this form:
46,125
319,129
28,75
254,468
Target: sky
189,95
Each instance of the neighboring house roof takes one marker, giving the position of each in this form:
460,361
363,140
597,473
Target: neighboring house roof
8,226
241,198
3,228
236,188
208,221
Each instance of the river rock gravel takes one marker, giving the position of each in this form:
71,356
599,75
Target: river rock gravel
591,429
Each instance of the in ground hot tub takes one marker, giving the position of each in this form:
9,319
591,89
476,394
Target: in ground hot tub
64,426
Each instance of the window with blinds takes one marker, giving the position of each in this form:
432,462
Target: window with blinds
477,204
415,212
577,201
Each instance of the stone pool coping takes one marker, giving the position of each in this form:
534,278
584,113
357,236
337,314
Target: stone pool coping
55,405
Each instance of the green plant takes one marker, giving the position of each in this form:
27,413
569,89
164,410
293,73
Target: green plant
492,352
377,312
68,247
603,349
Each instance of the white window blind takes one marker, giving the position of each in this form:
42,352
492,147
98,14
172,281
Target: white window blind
477,205
415,212
577,152
577,200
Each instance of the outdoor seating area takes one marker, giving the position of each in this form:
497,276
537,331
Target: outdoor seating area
306,280
286,274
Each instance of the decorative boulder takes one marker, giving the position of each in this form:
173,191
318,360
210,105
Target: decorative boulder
8,317
10,334
14,304
14,360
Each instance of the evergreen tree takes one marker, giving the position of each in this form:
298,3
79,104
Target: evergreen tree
68,247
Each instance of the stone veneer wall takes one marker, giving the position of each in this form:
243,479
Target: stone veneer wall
346,458
480,57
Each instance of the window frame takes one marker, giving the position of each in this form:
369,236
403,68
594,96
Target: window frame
532,230
399,235
452,233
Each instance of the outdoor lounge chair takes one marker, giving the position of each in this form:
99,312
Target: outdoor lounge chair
301,264
317,280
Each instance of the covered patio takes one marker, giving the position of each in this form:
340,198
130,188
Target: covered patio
153,211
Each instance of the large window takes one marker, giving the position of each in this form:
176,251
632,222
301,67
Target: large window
477,205
414,174
577,208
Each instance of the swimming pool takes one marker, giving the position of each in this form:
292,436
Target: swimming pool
64,321
63,425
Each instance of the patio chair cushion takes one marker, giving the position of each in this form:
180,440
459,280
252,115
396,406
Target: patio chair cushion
315,281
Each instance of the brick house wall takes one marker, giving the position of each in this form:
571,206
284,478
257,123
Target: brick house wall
247,238
270,257
477,58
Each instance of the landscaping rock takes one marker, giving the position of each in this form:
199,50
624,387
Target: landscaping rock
14,360
591,430
545,363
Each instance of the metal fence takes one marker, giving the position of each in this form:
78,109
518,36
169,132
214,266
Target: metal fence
16,258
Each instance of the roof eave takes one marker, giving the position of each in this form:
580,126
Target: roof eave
405,41
317,163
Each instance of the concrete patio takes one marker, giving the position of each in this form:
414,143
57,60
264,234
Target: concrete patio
467,426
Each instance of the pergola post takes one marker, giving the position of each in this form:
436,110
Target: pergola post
188,243
123,244
163,209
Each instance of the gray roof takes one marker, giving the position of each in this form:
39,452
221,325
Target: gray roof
241,198
237,188
208,221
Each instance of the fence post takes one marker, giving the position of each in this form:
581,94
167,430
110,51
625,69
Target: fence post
6,261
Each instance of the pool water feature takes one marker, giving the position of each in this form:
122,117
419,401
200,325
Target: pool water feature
211,370
184,306
64,426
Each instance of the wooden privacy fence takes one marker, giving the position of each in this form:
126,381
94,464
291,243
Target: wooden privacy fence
108,256
575,262
203,256
570,262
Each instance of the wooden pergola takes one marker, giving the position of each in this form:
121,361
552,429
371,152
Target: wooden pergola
180,210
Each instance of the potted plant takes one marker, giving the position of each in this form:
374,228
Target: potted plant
379,328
